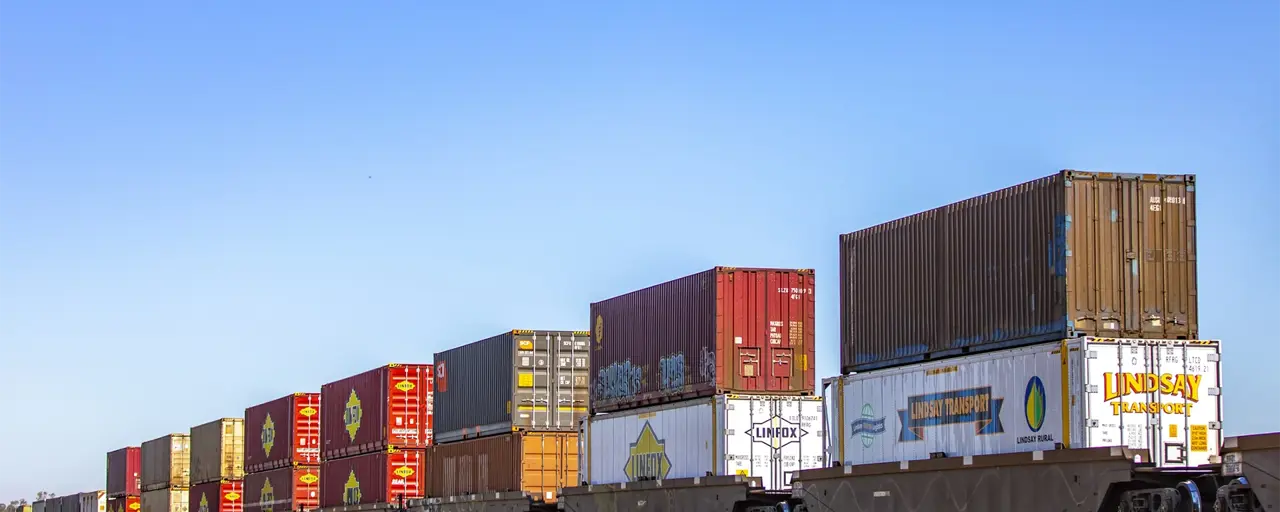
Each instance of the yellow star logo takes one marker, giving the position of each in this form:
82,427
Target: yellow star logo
351,415
648,458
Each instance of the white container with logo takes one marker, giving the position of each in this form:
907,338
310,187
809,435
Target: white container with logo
1163,396
755,435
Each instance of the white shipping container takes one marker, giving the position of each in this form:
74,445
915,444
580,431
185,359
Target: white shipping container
1160,395
93,501
763,436
166,500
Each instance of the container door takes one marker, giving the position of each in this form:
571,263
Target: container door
571,374
534,384
769,316
772,437
1157,395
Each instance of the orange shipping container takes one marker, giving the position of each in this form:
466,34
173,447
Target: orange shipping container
538,463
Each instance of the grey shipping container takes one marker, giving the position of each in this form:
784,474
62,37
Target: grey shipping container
1068,255
166,462
518,380
217,451
172,499
38,506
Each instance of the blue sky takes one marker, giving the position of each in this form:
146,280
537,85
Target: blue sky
203,207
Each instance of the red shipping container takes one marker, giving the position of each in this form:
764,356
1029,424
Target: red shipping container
282,490
124,504
124,472
386,407
381,477
738,330
224,496
283,432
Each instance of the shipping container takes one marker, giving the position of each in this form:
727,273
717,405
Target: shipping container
741,330
1157,395
124,504
516,380
766,436
166,462
372,478
282,489
92,501
21,508
386,407
535,462
124,472
217,496
282,433
1067,255
217,451
171,499
38,506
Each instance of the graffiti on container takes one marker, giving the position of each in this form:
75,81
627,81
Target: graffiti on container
1059,250
671,372
708,365
618,380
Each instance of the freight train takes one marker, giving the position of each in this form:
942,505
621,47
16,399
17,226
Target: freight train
1035,348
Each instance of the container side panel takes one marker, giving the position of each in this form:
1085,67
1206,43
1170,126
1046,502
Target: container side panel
671,441
387,406
166,500
990,403
217,451
124,504
282,490
166,462
473,387
1158,395
764,331
124,472
378,477
771,437
283,432
473,466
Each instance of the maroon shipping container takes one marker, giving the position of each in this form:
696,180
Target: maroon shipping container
282,490
282,433
124,472
738,330
381,477
1067,255
386,407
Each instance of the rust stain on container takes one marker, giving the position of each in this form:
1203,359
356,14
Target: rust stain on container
741,330
538,463
1068,255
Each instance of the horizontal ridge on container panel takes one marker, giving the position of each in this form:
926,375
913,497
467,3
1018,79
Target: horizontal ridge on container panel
764,436
217,451
517,380
282,433
166,462
1067,255
1158,395
727,329
389,406
282,489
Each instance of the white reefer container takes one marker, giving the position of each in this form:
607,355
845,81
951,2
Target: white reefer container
1159,395
93,501
166,500
754,435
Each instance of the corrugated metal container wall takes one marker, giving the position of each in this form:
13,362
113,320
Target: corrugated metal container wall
217,451
388,406
272,428
538,463
124,504
92,501
217,496
38,506
282,490
723,330
545,385
166,462
164,500
1068,255
124,472
22,508
380,477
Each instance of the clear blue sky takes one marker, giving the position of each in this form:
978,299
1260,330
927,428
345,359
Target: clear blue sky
188,225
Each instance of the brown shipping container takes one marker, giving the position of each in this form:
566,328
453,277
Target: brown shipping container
217,451
740,330
386,407
282,433
1068,255
380,477
124,472
520,379
282,490
169,499
538,463
166,462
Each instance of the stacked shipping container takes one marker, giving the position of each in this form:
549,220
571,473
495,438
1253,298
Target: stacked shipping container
509,408
282,454
717,362
124,480
166,474
217,466
376,426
